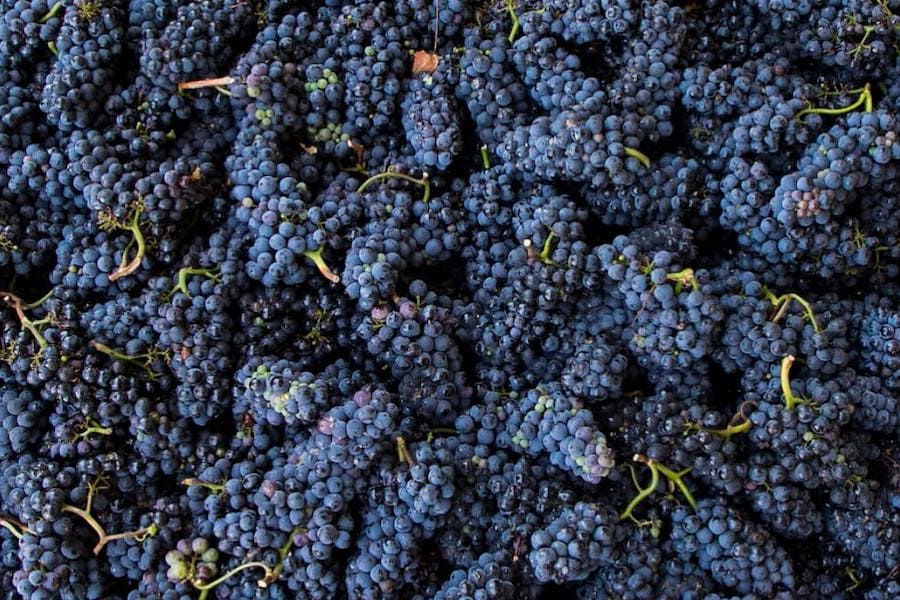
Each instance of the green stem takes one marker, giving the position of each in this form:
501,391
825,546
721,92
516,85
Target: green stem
642,158
485,159
544,254
89,10
403,452
92,427
54,10
129,267
807,308
790,401
685,276
316,257
250,565
7,244
731,430
143,361
273,574
642,494
545,249
781,305
424,182
515,21
30,326
110,352
184,273
139,534
865,100
867,31
447,430
215,488
40,301
826,92
634,480
677,479
35,332
853,579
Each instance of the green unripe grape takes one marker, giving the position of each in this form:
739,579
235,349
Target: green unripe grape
199,545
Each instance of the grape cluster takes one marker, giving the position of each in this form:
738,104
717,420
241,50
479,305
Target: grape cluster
554,422
737,554
880,342
573,544
89,43
428,119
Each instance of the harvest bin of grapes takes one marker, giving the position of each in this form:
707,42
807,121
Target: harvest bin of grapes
447,299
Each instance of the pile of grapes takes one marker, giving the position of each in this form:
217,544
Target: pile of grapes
449,299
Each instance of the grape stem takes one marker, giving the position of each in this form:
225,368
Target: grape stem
16,528
359,151
440,430
640,156
32,327
184,273
731,430
403,452
128,267
273,574
104,538
424,182
316,257
780,305
199,84
143,361
7,244
205,587
865,100
733,426
215,488
685,276
656,468
91,426
485,159
54,10
544,254
643,492
861,46
437,23
40,301
854,580
790,401
676,478
514,31
89,10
